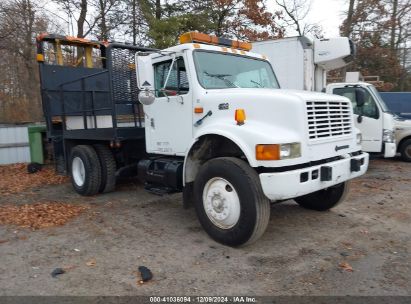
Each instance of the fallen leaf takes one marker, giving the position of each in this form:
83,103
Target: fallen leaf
39,215
3,241
345,266
91,263
15,178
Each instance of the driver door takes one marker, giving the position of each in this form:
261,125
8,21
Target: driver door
371,125
169,119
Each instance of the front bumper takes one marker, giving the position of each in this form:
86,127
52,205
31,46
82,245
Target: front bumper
291,184
390,149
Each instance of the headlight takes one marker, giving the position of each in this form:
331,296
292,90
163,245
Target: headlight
278,151
359,138
388,136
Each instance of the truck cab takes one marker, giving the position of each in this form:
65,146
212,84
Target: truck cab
371,116
220,107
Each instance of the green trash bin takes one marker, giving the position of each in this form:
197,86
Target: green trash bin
36,143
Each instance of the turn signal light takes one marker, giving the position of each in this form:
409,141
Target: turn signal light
239,116
278,151
267,152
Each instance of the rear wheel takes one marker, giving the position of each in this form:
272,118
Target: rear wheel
108,168
85,170
405,150
229,201
325,199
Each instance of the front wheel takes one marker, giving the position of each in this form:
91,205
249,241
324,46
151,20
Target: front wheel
405,150
229,201
325,199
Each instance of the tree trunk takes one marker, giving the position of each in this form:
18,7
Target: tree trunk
158,9
82,19
134,21
393,24
347,27
31,90
103,24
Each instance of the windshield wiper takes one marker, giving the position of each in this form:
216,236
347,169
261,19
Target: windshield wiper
257,83
223,78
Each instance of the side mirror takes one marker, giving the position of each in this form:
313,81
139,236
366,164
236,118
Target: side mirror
144,71
146,97
360,97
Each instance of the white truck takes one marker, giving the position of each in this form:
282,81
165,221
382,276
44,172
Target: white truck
302,64
218,127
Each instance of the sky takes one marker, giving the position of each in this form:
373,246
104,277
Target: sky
327,13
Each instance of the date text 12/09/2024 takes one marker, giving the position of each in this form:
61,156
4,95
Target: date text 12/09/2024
203,299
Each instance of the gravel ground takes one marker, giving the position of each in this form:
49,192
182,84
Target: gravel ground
302,252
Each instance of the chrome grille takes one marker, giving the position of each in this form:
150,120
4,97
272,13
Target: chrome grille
328,119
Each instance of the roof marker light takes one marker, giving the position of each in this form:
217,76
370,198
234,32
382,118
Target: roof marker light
196,37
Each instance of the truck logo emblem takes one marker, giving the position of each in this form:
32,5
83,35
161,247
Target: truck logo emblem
338,148
223,106
146,84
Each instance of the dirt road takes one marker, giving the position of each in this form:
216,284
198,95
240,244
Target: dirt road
361,247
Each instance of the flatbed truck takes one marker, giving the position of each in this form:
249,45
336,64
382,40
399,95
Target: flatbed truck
207,118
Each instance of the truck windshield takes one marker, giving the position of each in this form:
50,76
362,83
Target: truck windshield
222,70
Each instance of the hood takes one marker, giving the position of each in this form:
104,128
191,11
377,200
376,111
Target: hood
272,116
278,94
402,123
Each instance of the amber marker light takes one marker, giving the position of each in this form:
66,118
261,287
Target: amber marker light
40,57
196,37
267,152
239,116
198,110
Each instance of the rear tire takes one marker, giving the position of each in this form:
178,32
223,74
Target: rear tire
325,199
229,201
85,170
405,150
108,168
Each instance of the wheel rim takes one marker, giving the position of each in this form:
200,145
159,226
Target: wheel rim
78,172
221,203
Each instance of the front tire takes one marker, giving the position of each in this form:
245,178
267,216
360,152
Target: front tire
85,170
405,150
229,201
325,199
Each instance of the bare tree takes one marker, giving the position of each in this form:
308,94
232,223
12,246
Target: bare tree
295,15
381,30
346,27
96,17
19,24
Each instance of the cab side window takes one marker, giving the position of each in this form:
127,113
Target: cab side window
177,82
369,109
